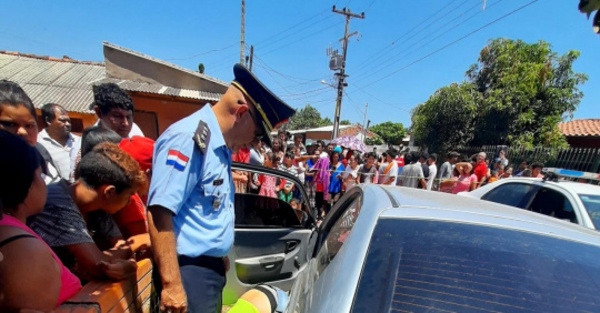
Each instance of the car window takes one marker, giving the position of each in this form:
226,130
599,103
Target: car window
592,206
553,203
267,200
512,194
436,266
336,236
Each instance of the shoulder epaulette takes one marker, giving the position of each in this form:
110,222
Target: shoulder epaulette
202,136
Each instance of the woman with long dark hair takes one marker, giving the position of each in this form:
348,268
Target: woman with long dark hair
33,277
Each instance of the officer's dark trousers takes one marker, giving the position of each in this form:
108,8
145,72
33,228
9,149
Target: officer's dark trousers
203,280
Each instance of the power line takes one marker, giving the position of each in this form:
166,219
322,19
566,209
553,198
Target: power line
271,42
298,40
399,56
289,77
453,42
292,27
377,54
398,106
201,54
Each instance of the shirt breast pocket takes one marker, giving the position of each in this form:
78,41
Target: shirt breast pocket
217,197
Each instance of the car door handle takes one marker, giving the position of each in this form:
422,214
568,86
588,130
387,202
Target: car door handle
270,263
291,245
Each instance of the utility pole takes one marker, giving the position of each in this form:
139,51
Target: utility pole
342,74
242,41
365,122
251,57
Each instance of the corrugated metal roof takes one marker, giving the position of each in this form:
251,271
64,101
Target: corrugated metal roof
162,90
68,82
44,79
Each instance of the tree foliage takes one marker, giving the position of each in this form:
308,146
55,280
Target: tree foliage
391,133
345,122
307,117
201,68
374,141
515,95
588,7
447,118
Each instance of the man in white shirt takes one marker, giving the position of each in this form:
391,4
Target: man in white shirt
390,172
114,109
57,138
432,170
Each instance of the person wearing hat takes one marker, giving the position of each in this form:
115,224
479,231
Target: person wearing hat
191,198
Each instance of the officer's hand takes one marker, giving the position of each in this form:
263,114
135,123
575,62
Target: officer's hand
173,299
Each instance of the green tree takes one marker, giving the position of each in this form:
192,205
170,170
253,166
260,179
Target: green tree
515,95
345,122
307,117
391,133
447,118
326,122
526,90
374,141
589,6
201,68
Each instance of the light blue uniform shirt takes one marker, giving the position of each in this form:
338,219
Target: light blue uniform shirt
196,187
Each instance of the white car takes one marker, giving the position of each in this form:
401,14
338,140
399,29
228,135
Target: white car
571,201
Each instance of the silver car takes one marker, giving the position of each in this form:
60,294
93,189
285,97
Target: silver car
395,249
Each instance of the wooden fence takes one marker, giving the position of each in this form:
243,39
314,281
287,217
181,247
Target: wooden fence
579,159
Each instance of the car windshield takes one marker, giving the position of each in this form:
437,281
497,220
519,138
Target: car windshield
434,266
592,206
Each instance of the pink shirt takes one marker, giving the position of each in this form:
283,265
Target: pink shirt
70,284
464,183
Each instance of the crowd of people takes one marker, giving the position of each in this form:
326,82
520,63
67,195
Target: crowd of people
80,208
328,170
74,209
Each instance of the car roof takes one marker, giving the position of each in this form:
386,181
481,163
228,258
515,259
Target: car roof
575,187
421,204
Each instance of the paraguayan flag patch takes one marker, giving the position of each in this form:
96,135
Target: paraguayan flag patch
177,159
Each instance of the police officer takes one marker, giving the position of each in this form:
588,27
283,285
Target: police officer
190,204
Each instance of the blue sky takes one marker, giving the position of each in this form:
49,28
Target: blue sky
403,53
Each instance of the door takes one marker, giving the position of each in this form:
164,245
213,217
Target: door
553,203
148,123
274,231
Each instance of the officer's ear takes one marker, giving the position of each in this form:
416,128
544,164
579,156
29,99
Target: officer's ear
241,109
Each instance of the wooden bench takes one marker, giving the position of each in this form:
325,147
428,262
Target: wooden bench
127,296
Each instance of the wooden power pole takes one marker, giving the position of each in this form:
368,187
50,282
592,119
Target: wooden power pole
342,74
242,41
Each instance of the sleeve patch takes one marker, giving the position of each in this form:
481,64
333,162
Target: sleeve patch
177,159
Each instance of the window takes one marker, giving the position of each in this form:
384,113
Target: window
592,206
336,236
552,203
262,202
435,266
513,194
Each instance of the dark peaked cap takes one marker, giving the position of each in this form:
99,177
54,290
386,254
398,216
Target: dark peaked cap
270,110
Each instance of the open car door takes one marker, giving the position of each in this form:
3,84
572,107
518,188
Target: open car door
274,235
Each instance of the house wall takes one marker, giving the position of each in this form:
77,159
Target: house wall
79,121
584,142
155,113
